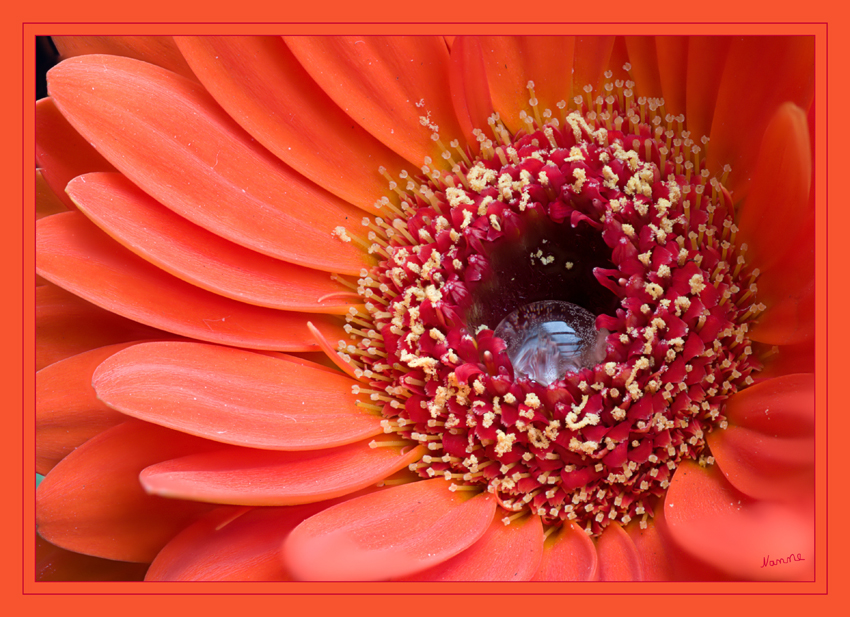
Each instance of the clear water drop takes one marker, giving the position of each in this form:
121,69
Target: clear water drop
546,340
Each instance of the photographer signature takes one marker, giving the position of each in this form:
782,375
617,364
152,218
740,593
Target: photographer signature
782,560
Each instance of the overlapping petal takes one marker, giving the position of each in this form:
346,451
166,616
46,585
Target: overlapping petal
234,396
74,254
714,521
67,325
92,502
67,412
379,81
244,476
262,86
390,534
200,257
143,119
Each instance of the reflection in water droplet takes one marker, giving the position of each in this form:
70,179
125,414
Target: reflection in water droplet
546,340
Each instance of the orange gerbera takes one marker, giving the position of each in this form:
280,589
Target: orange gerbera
575,340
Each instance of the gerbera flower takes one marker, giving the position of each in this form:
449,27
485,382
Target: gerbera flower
563,287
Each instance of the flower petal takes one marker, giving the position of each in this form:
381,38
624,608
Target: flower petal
56,564
504,553
170,138
73,253
198,256
672,55
568,555
776,206
706,61
661,559
787,360
768,450
512,61
761,73
783,406
469,88
377,80
234,396
618,556
390,534
92,502
243,476
229,544
644,61
61,152
158,50
67,325
47,202
262,86
763,466
67,412
592,57
234,544
712,520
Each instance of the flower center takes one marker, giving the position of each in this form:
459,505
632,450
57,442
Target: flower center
545,340
560,319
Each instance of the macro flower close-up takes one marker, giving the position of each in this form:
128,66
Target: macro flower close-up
425,308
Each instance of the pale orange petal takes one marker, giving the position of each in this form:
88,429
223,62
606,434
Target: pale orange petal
169,136
390,534
234,396
378,80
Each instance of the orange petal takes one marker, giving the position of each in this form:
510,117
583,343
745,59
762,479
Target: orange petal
67,325
377,80
763,466
233,544
644,61
469,88
234,396
158,50
169,137
592,58
761,74
389,534
263,87
788,359
196,255
92,502
768,450
672,54
504,553
653,553
73,253
661,559
783,407
511,62
618,556
243,476
67,412
712,520
706,61
568,555
61,152
47,202
777,203
56,564
229,544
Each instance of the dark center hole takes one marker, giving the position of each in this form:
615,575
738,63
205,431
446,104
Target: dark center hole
534,268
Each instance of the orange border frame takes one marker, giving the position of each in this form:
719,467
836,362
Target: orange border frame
164,18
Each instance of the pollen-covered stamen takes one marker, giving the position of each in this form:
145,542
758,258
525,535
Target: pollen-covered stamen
620,179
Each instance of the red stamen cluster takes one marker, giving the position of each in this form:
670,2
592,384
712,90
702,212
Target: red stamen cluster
599,445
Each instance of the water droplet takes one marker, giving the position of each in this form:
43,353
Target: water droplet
546,340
